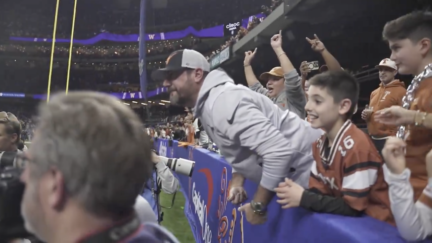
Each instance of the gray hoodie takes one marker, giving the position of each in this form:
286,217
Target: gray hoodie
259,140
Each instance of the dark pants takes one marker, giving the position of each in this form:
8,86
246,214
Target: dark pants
379,144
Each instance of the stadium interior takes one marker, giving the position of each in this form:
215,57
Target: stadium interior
30,65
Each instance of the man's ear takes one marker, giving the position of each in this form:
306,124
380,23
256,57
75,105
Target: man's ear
198,75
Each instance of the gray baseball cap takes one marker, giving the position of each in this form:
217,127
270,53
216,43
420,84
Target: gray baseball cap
180,60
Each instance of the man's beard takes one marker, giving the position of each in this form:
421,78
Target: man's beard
175,99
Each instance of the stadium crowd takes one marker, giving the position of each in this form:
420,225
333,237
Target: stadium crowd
387,167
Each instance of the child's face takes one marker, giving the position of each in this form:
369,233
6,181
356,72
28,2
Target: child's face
408,55
322,110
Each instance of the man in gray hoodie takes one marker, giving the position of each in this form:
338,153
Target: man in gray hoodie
261,142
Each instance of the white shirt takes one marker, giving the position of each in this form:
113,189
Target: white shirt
413,219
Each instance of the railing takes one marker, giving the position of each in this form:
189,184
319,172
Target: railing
213,219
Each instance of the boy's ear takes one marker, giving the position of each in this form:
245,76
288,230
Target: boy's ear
425,46
345,106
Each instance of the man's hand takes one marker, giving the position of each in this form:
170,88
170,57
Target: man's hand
395,115
316,44
237,195
394,155
248,57
290,194
366,113
304,69
251,217
155,158
276,40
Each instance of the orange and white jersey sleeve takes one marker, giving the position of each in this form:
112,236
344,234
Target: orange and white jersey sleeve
359,175
413,219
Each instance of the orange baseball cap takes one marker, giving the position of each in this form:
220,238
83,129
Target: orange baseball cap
275,72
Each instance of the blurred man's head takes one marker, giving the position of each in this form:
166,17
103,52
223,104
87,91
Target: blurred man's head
275,81
10,131
410,38
183,76
387,70
89,159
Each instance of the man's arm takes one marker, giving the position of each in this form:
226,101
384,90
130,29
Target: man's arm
318,46
294,92
251,79
166,178
253,82
252,129
331,62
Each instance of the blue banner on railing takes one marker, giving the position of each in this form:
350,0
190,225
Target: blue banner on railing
213,219
217,31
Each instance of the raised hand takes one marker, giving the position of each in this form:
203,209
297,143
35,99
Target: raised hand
304,69
276,40
316,44
394,155
249,56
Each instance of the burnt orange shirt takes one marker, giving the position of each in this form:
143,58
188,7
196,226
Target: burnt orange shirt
353,171
419,139
383,97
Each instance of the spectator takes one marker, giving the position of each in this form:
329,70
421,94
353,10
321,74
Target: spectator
283,83
407,36
87,183
10,132
246,126
347,168
390,93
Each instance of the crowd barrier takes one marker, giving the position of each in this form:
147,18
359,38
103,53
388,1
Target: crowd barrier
213,219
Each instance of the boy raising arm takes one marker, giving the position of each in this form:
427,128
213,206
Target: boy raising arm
346,177
409,38
413,219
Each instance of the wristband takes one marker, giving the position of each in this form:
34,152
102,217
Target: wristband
280,54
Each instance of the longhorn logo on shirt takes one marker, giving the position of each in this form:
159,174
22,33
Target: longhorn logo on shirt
385,95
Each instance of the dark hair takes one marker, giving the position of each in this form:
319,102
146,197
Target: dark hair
340,85
414,26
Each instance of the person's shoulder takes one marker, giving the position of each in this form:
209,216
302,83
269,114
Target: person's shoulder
152,233
376,91
360,139
356,143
